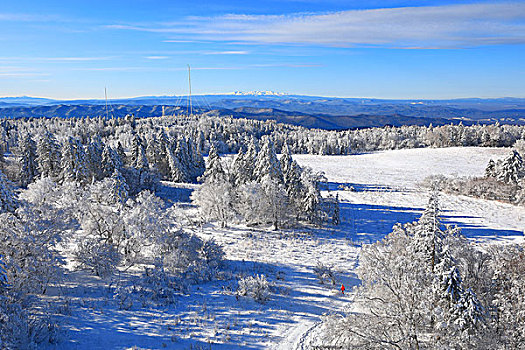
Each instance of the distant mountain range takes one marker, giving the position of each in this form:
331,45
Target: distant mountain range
309,111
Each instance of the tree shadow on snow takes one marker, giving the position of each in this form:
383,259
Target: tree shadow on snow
367,223
357,187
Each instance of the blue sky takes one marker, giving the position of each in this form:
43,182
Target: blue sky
385,49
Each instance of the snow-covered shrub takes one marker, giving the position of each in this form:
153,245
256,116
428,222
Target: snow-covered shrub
145,222
212,253
21,327
99,257
124,296
186,255
479,187
255,287
160,285
29,254
120,233
29,264
215,201
324,273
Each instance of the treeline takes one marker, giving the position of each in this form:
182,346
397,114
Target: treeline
229,135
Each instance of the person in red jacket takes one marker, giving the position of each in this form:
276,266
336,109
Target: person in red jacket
343,288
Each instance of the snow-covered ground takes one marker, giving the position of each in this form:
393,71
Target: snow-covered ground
386,192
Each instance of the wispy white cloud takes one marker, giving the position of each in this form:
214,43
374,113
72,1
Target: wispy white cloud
20,72
57,59
157,57
174,69
23,74
448,26
226,53
26,17
74,59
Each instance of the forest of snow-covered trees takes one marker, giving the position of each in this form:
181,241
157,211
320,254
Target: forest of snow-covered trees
82,191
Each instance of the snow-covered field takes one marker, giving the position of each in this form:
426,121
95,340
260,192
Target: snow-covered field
386,191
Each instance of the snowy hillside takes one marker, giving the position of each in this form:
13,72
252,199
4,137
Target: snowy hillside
386,191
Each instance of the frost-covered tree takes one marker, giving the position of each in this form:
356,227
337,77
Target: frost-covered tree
509,300
145,222
243,164
28,161
176,170
275,200
48,156
215,201
267,164
180,163
157,154
185,162
490,170
94,158
137,158
74,162
214,170
511,169
110,162
311,200
8,201
30,264
198,165
119,188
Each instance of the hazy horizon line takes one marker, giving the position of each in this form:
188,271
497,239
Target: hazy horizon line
280,94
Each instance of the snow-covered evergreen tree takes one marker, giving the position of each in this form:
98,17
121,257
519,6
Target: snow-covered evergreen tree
490,170
138,159
267,164
74,162
198,165
511,169
177,172
509,300
185,162
110,162
214,171
28,161
292,180
184,159
8,201
156,152
94,159
120,189
243,164
48,156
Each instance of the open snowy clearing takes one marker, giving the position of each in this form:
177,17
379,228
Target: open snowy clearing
386,191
